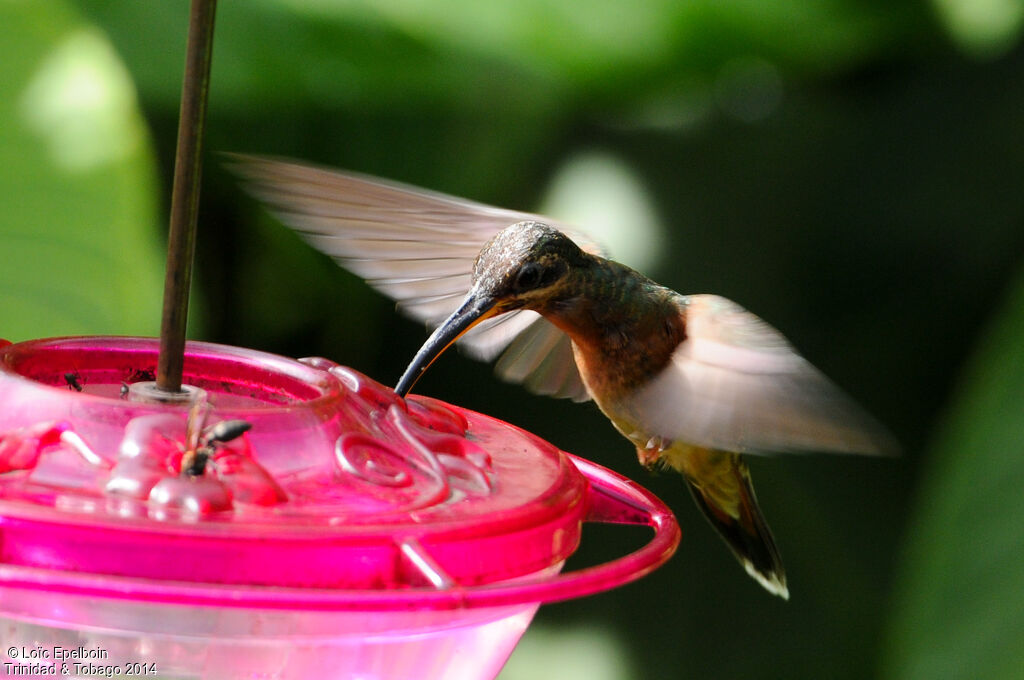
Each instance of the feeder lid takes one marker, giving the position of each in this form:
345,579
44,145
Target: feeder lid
292,474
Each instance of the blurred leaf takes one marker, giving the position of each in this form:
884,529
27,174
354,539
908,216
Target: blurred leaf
597,189
984,28
524,54
960,613
581,653
77,250
285,54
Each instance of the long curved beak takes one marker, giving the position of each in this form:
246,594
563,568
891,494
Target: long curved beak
474,309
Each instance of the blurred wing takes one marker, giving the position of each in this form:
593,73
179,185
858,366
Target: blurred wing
736,384
418,247
541,358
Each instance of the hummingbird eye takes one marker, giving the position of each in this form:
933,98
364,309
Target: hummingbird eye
528,277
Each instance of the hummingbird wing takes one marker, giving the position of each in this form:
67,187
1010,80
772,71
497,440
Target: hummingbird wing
418,247
736,384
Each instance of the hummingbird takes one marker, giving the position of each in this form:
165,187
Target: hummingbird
694,382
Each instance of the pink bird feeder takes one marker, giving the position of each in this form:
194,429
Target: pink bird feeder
292,519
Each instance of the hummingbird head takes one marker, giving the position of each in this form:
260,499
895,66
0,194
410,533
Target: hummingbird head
525,266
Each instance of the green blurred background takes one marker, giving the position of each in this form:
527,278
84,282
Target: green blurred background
850,171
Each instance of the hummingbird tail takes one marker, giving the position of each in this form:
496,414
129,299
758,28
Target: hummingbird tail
744,530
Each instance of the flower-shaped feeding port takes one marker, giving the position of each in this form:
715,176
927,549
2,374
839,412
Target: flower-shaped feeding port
297,503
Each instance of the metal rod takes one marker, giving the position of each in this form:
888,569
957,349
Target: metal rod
181,241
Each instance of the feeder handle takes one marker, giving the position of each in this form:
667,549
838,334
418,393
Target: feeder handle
613,499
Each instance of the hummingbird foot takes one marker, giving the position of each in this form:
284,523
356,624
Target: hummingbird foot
650,454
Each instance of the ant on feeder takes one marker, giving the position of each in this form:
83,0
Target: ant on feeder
73,380
195,459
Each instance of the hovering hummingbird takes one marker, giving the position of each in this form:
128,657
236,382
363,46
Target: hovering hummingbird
693,381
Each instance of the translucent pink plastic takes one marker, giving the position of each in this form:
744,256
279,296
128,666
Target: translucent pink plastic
299,504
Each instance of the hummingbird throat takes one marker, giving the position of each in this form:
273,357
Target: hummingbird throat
624,327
